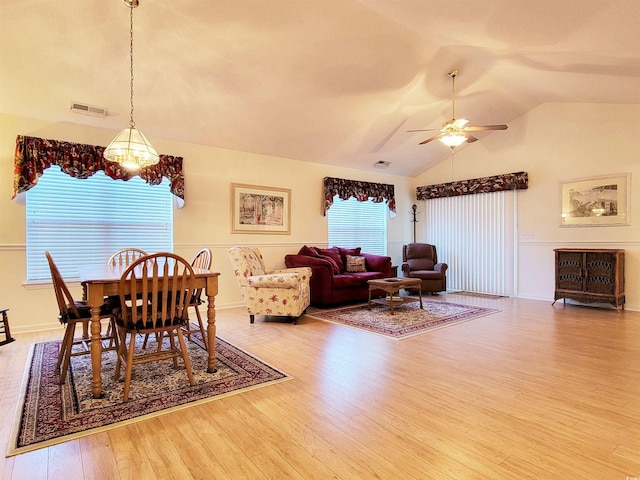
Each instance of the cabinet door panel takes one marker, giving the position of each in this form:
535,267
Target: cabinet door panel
570,271
600,271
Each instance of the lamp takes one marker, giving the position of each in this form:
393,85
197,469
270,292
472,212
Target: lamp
453,134
453,139
130,148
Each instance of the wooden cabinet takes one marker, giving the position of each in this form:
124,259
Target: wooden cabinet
590,275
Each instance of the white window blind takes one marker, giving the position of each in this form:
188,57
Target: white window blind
358,224
82,222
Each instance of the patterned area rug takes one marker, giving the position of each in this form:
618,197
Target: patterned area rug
50,413
407,320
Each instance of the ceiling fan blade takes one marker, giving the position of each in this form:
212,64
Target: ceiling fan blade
430,139
485,127
425,130
470,138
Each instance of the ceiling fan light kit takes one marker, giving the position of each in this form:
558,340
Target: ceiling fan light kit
453,139
454,132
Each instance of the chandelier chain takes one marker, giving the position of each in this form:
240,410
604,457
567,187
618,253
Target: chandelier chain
132,124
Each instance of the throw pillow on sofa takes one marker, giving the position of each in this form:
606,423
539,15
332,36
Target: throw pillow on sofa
348,251
315,252
308,251
355,264
333,255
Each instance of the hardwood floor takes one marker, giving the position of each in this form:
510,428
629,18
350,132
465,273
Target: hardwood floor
530,392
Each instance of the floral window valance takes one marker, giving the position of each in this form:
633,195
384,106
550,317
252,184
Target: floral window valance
361,191
34,155
497,183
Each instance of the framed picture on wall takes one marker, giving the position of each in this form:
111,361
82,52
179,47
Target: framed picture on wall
596,201
256,209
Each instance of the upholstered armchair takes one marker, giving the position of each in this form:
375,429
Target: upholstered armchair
283,292
420,260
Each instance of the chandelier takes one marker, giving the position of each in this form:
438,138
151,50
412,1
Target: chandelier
130,148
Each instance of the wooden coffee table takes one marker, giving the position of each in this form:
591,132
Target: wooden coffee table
392,286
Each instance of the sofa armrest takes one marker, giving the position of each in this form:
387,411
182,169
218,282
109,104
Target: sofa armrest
293,261
321,283
438,267
378,263
322,270
304,272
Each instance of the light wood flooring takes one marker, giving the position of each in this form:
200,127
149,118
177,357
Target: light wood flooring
532,392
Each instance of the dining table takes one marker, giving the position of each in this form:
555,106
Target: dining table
100,282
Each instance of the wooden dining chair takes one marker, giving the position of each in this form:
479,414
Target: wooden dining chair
201,260
155,291
122,258
4,327
125,257
72,312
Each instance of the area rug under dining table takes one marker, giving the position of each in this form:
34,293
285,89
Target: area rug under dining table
407,320
49,413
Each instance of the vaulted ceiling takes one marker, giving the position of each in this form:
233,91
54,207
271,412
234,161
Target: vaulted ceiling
334,81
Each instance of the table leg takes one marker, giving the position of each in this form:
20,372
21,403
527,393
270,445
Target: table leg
392,293
96,353
211,333
420,294
85,325
370,298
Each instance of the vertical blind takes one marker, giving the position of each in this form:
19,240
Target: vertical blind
358,224
82,222
474,235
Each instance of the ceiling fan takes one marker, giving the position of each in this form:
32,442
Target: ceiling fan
455,132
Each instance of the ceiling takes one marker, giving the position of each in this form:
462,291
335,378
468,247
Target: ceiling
335,82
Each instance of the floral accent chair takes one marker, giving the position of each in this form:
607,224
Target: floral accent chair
283,292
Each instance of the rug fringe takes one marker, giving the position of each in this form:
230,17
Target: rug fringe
17,416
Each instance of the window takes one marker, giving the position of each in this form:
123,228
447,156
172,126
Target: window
82,222
358,224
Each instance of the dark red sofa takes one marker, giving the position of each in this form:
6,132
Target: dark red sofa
330,283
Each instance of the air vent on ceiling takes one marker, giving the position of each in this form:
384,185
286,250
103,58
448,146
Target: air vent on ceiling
381,164
85,109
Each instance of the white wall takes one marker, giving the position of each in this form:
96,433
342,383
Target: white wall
205,220
557,142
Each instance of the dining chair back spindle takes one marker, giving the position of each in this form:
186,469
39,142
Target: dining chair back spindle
72,312
125,257
155,291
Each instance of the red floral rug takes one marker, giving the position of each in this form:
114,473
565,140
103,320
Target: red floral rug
407,320
51,413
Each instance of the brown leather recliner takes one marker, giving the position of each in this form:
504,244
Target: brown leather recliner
420,260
